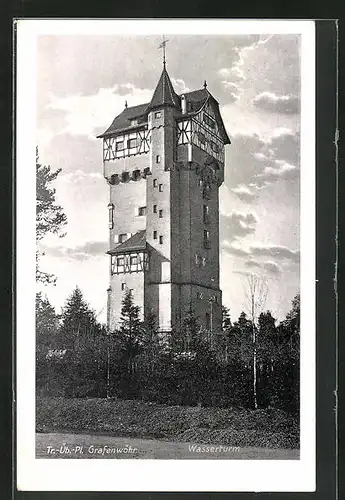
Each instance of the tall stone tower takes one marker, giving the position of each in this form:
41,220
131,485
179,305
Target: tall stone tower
164,163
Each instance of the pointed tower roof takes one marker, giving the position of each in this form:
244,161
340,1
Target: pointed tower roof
164,94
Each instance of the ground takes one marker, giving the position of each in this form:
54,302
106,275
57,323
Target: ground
63,445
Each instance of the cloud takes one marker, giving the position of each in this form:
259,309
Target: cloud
256,162
269,266
239,225
272,267
268,101
252,263
256,250
232,90
276,251
80,176
244,193
179,85
85,114
237,71
81,252
282,171
233,249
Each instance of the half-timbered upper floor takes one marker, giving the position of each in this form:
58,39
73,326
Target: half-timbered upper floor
197,121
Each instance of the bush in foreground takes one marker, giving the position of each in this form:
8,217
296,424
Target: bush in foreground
235,427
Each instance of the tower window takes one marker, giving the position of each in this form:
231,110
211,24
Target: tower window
207,243
141,211
123,286
122,237
111,215
131,143
158,114
207,320
154,209
205,214
133,260
158,159
155,183
160,187
161,240
160,214
209,121
154,235
119,146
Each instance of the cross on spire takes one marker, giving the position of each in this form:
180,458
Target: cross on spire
162,46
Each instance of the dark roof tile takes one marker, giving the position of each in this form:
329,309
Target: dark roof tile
164,94
134,243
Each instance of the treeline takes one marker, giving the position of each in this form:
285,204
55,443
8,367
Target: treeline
245,364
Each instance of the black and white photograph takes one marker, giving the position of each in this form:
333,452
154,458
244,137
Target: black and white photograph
166,255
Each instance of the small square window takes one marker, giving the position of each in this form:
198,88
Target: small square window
158,114
122,237
133,260
134,122
154,209
131,143
158,159
119,146
141,211
160,214
160,188
154,235
123,286
155,183
161,240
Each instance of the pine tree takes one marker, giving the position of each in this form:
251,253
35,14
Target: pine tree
226,320
49,216
130,325
47,325
151,341
78,321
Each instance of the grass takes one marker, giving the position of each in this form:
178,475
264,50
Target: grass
271,428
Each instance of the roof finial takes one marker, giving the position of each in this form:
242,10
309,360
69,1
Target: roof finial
162,46
205,84
126,105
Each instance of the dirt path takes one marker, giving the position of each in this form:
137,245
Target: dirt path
60,445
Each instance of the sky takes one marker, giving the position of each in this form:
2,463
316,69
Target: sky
83,82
